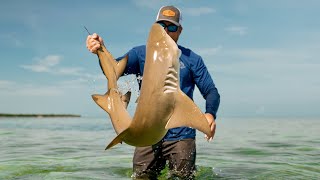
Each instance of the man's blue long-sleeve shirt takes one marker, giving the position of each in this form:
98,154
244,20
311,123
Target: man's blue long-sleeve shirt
192,72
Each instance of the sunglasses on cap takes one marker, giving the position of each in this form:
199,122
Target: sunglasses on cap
170,27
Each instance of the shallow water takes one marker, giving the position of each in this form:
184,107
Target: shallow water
73,148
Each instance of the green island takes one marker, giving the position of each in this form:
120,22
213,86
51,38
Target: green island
39,115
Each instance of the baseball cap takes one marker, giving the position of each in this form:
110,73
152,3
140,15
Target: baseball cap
169,13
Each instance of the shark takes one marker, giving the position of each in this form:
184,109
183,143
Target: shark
161,105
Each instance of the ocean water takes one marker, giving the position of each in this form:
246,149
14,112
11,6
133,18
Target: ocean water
243,148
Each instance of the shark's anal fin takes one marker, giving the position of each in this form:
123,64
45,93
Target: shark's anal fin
186,113
117,139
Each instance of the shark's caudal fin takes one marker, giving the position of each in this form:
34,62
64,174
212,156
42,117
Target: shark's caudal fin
112,103
187,113
117,139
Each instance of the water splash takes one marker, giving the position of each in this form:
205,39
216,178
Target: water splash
128,83
92,84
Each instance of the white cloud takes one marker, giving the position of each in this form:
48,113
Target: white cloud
209,51
69,71
197,11
60,88
67,97
274,55
11,38
240,30
8,88
5,84
274,70
155,5
33,90
45,64
50,64
150,4
268,81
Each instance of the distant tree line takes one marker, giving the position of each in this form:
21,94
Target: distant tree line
39,115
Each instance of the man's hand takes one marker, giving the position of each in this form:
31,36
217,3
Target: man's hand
212,125
94,42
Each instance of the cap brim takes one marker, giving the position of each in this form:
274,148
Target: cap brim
169,21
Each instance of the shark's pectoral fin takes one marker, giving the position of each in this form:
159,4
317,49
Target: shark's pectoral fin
186,113
117,139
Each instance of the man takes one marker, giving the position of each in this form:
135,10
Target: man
178,146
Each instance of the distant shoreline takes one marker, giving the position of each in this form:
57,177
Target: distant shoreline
39,115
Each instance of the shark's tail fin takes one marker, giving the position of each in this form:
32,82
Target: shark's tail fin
112,103
117,139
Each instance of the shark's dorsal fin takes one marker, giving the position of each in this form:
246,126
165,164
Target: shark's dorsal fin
186,113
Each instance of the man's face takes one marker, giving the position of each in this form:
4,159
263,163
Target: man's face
174,35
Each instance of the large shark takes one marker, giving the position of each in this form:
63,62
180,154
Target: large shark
161,105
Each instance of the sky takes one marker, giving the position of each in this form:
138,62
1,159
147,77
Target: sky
263,55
